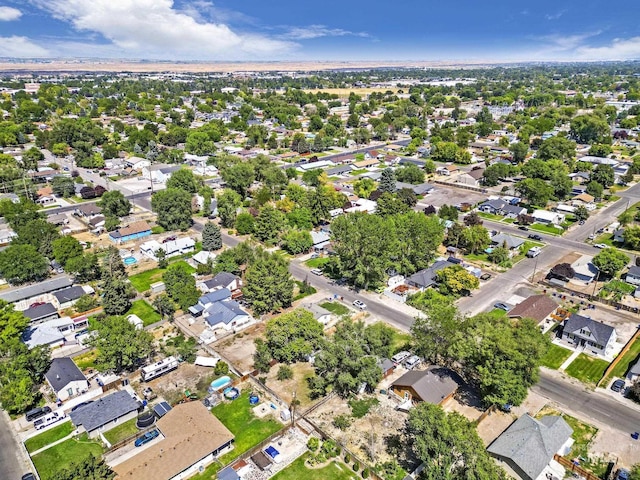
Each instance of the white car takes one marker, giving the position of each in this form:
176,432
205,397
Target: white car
359,304
48,420
400,356
316,271
534,252
412,362
601,245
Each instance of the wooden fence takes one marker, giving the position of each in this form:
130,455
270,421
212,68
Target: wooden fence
617,360
569,465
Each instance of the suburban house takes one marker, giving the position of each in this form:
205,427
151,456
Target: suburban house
137,163
22,297
447,170
504,239
320,240
161,173
53,332
66,379
362,205
588,334
223,280
584,269
427,277
420,189
633,276
219,295
192,438
472,178
321,314
338,171
537,307
585,200
526,449
547,217
226,315
105,413
41,313
501,207
6,235
634,372
618,235
87,210
179,246
372,162
69,296
434,385
386,366
203,257
133,231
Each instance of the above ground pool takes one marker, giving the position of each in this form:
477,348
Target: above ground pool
219,383
231,393
130,260
254,399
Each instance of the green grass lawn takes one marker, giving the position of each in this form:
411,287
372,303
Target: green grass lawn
48,437
142,281
297,470
248,430
300,295
86,360
524,248
145,311
587,369
497,313
61,456
208,473
607,239
122,431
627,360
316,262
539,227
401,341
491,216
335,308
355,173
555,356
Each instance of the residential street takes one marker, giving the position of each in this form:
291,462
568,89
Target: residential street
12,463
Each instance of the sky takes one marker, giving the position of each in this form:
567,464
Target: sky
345,30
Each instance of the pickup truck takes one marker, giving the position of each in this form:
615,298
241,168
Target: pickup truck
534,252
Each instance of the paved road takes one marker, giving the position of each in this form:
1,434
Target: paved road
12,464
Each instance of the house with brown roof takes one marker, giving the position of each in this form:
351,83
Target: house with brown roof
434,385
372,162
192,439
537,307
132,231
447,170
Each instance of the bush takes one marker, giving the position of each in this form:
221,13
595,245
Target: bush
365,473
347,458
359,408
342,422
221,368
313,444
330,448
284,373
356,467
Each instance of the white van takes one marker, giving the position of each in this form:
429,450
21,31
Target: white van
412,362
399,357
48,420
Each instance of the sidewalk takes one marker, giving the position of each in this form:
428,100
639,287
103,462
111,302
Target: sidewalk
46,447
568,361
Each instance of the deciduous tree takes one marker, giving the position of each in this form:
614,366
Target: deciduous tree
121,347
269,286
173,208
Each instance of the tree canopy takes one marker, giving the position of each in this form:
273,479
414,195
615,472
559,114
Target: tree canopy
292,336
121,347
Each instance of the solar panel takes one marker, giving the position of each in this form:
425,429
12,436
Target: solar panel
161,409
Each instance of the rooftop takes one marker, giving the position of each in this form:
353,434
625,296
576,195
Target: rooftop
537,307
432,385
62,372
104,410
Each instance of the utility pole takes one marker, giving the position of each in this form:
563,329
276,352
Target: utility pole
595,283
535,267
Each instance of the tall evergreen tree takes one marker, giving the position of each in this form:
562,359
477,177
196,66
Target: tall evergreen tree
211,237
387,181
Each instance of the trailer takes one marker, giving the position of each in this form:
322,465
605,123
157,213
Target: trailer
159,368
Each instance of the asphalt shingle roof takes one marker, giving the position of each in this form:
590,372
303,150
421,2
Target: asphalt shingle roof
223,279
69,294
223,312
601,332
426,278
41,311
432,385
104,410
62,372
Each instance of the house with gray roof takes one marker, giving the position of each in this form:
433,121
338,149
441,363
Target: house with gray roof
434,385
41,313
593,336
31,293
427,277
65,298
226,315
527,447
209,299
321,314
104,414
504,239
223,280
320,239
66,379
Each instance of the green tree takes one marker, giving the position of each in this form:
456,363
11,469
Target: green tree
211,237
228,204
475,238
164,306
269,286
603,174
65,248
595,189
418,237
84,268
269,224
116,295
296,241
314,177
559,148
173,208
292,336
456,281
121,347
448,445
387,181
198,143
300,217
561,185
90,468
581,213
238,177
12,324
448,212
180,286
610,261
262,356
185,180
38,233
30,159
23,263
519,151
364,187
63,186
590,129
632,237
497,172
536,191
410,174
161,255
114,204
390,204
499,255
245,223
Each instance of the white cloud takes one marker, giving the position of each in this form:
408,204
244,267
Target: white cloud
155,29
568,42
22,47
8,14
618,49
317,31
555,16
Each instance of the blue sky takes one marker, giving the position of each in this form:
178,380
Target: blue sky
494,30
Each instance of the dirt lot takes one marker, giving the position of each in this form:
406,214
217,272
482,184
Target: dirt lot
382,421
239,349
442,195
298,384
172,385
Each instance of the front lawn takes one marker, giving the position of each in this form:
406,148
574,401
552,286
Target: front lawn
142,281
316,262
145,312
607,239
622,367
491,216
248,430
297,470
587,369
524,248
52,460
122,431
304,290
48,437
539,227
355,173
335,308
555,356
497,313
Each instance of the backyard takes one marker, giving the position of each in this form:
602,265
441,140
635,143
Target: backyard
121,432
46,438
52,460
555,356
142,281
86,360
248,430
587,369
297,470
145,312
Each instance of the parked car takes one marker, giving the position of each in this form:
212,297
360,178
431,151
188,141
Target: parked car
316,271
28,476
399,357
601,245
623,474
502,306
412,362
535,236
315,255
523,227
618,386
485,276
36,413
146,438
48,420
172,238
80,405
534,252
359,304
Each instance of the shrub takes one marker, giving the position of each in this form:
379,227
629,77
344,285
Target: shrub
359,408
284,373
342,422
365,473
356,467
221,368
330,448
347,458
313,443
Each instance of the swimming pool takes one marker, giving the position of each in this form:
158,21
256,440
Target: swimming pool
130,260
219,383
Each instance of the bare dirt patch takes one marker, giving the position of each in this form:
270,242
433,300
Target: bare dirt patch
171,386
239,349
298,384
